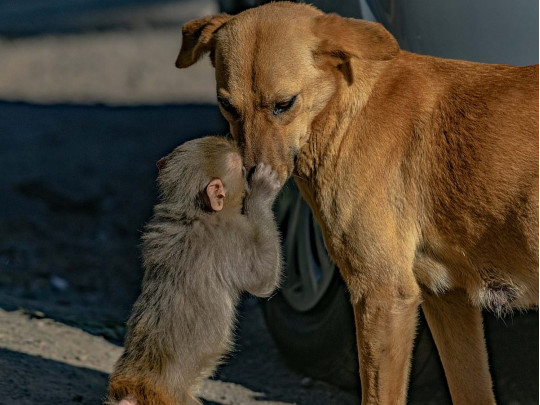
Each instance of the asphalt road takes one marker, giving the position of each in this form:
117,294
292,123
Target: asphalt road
98,51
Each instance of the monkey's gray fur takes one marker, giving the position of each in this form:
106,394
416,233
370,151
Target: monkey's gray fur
197,263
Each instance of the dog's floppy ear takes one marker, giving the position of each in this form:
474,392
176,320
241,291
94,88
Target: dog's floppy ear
344,38
198,38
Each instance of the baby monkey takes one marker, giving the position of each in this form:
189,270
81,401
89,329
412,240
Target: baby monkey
200,252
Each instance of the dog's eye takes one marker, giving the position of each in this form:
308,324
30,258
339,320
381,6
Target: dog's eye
227,106
283,106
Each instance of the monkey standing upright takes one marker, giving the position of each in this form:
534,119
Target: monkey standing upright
199,253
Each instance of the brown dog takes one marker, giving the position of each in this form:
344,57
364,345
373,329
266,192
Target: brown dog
422,172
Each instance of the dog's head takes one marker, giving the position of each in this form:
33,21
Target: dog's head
277,67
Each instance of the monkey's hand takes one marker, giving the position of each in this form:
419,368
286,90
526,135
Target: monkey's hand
264,185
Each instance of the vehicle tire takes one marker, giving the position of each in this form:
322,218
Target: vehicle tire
319,343
314,330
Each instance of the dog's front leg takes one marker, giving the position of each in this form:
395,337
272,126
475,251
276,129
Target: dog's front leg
456,327
385,327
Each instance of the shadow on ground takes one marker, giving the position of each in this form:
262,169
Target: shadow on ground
33,379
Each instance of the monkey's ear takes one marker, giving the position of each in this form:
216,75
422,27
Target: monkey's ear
216,194
161,163
198,38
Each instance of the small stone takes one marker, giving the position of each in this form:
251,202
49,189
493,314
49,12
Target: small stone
37,314
59,283
306,382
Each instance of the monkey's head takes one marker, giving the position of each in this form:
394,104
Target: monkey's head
205,173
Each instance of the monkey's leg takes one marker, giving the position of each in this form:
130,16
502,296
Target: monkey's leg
136,389
385,328
456,327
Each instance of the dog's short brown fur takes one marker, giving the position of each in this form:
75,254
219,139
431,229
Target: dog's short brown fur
423,173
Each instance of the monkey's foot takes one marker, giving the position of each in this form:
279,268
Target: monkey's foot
128,401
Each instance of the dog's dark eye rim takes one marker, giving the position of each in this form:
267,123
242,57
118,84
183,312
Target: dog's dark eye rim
226,104
283,106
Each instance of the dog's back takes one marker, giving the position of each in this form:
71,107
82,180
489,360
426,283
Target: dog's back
479,180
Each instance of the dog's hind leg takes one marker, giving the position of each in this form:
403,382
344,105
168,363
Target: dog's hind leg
457,329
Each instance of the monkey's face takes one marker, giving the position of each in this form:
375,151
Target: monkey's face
230,189
205,173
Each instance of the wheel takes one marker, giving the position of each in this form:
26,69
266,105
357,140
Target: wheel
311,318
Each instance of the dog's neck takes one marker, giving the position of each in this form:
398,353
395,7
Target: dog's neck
330,127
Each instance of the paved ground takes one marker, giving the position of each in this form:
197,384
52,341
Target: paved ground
91,100
120,56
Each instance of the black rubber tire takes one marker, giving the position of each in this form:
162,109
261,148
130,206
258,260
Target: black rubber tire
319,343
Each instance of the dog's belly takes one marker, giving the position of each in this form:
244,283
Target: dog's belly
488,284
432,275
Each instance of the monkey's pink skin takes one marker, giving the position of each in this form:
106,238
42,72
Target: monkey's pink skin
128,401
161,163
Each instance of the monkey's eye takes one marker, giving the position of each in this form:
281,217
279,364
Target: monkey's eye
283,106
227,106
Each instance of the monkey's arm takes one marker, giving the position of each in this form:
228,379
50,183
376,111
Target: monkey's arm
263,268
